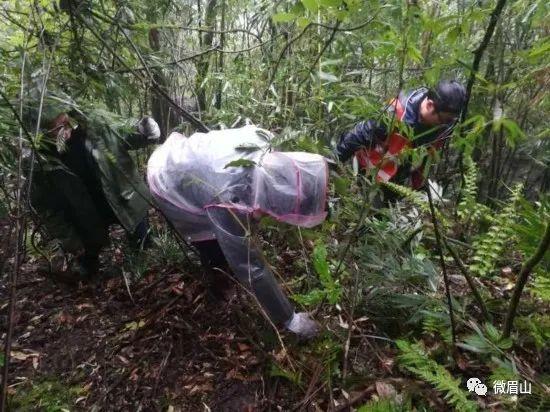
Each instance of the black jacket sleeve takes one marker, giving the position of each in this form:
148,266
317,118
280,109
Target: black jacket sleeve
364,134
135,141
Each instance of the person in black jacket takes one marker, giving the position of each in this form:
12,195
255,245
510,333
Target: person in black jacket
427,114
86,180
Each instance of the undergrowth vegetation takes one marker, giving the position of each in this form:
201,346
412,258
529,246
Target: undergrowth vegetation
413,303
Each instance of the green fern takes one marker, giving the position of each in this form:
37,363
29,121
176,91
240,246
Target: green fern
489,246
331,289
535,402
414,358
469,210
381,405
540,286
416,198
437,323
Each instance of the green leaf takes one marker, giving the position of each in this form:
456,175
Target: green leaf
341,185
293,377
541,49
312,298
414,54
302,22
353,4
134,325
514,131
283,17
311,5
320,262
413,357
240,163
332,62
328,77
330,3
453,34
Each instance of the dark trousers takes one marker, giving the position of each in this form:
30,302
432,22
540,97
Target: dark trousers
78,217
212,258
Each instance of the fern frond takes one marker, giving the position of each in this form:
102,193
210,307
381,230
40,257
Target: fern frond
437,323
469,210
541,287
414,358
416,198
381,405
490,246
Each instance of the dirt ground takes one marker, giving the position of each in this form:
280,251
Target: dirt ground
161,343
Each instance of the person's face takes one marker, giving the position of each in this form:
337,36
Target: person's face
61,127
431,117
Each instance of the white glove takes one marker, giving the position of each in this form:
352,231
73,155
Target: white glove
149,128
302,325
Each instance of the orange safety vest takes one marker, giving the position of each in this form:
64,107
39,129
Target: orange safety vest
385,156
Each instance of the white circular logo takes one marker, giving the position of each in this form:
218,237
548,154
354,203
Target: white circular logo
481,389
472,383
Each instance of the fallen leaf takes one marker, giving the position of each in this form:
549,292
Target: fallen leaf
385,390
134,325
235,374
243,346
21,356
123,359
36,318
462,363
177,290
134,376
64,317
205,387
387,364
507,271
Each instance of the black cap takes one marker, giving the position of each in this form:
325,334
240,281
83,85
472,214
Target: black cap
449,96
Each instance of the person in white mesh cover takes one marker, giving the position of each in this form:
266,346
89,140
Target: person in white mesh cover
214,186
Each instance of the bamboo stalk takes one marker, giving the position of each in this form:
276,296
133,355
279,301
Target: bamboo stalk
442,261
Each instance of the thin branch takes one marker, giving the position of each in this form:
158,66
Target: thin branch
324,48
192,57
338,28
281,55
523,276
156,88
480,51
174,62
442,262
18,249
203,30
249,48
469,279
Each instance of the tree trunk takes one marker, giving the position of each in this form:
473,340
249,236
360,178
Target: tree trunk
220,61
160,109
204,63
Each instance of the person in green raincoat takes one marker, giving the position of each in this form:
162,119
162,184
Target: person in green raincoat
84,179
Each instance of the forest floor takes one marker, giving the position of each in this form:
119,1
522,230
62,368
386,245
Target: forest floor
166,345
161,344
